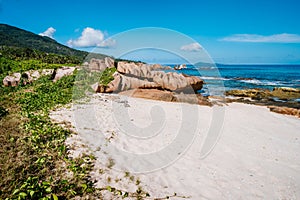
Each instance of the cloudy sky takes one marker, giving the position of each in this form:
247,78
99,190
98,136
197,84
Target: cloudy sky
231,31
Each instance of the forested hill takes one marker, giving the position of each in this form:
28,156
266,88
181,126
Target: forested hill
20,40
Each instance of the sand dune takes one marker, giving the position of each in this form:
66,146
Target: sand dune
237,151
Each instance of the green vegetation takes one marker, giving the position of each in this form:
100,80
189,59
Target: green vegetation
33,157
8,66
18,53
34,161
14,37
107,76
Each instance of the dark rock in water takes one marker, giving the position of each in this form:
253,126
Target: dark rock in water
282,93
252,93
182,66
280,100
286,89
286,93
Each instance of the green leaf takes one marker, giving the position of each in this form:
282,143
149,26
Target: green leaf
22,195
46,183
16,191
54,197
31,193
48,189
84,186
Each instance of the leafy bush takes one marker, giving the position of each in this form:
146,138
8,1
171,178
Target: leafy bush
46,94
107,76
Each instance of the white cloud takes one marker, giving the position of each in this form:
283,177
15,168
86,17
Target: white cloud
49,32
277,38
107,43
91,38
191,47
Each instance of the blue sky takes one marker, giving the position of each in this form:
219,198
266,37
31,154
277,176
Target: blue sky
232,31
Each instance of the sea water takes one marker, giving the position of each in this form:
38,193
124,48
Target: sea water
220,78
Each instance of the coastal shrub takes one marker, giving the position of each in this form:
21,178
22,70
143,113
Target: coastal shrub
33,156
107,76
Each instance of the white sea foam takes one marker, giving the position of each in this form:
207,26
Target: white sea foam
214,78
264,82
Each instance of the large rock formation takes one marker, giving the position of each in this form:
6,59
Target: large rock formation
163,95
100,64
283,93
153,94
12,80
27,77
61,72
165,80
151,82
122,82
32,75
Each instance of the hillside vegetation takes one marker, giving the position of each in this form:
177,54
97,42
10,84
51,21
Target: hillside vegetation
15,37
34,160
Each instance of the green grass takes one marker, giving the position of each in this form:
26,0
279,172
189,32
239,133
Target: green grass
33,156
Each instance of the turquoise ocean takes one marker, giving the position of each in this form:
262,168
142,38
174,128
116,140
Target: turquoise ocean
220,78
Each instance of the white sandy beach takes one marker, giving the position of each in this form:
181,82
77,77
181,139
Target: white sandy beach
256,153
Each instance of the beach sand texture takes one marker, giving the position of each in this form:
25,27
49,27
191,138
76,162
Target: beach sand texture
256,153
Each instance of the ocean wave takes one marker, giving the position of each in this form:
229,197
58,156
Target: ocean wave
263,82
214,78
206,68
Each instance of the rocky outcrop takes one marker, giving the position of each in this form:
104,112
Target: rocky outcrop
12,80
182,66
166,80
100,64
163,95
252,93
283,93
27,77
61,72
32,75
151,82
286,89
280,100
122,82
285,110
99,88
153,94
